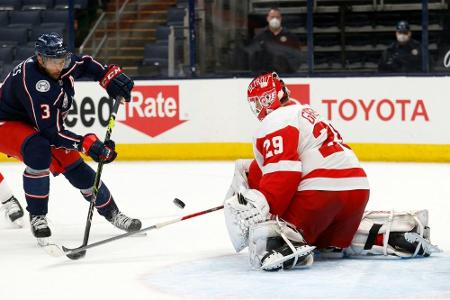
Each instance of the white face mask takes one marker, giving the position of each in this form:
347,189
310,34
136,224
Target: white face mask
275,23
402,38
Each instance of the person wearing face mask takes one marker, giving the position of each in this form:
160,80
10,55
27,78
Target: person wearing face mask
276,48
404,55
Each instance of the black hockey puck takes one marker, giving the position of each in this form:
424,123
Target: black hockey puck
179,203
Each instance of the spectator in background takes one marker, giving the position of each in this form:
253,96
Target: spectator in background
275,49
404,55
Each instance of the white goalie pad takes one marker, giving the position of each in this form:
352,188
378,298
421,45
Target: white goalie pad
413,223
241,167
261,232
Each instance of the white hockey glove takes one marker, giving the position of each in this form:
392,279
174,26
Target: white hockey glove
242,210
239,181
405,234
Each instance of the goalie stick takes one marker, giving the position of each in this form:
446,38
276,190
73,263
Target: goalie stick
58,251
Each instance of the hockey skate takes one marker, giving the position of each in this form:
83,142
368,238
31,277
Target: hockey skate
296,255
123,222
412,243
40,229
13,211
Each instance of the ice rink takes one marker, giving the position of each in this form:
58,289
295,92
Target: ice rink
194,259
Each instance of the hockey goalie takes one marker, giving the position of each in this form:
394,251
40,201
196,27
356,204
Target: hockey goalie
306,192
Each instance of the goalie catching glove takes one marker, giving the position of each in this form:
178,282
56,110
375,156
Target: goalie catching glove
242,210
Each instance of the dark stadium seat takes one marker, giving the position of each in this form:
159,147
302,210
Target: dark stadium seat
16,62
10,4
294,21
325,21
64,4
321,61
13,36
162,34
328,40
4,18
55,16
4,70
36,4
359,40
24,52
183,3
175,16
357,20
6,54
354,60
156,55
38,30
25,18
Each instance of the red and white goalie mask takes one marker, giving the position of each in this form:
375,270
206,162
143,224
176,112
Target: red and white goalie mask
264,94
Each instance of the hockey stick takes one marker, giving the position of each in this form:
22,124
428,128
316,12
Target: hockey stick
98,174
57,251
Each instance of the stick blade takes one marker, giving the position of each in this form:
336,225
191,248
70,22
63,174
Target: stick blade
73,256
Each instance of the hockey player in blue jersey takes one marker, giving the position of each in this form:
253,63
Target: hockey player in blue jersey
34,101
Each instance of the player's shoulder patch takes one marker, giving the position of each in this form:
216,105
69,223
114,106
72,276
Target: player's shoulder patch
43,86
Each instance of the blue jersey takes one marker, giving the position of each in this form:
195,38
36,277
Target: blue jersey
29,95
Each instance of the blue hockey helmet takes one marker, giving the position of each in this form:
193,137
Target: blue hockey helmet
51,45
402,26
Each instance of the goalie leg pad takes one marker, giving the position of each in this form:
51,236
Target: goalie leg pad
402,234
275,245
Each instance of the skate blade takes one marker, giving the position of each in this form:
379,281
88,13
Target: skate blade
140,234
302,251
54,250
18,223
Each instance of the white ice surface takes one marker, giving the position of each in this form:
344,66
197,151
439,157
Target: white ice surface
194,259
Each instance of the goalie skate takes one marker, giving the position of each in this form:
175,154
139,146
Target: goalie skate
280,258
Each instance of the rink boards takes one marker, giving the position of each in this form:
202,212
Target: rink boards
383,118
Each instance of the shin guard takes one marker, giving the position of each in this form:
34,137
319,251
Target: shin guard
36,184
82,177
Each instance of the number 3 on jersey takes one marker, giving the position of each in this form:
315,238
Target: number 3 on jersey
273,146
45,108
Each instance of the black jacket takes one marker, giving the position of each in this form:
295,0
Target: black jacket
406,58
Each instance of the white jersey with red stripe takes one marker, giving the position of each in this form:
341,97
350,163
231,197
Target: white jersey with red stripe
295,146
